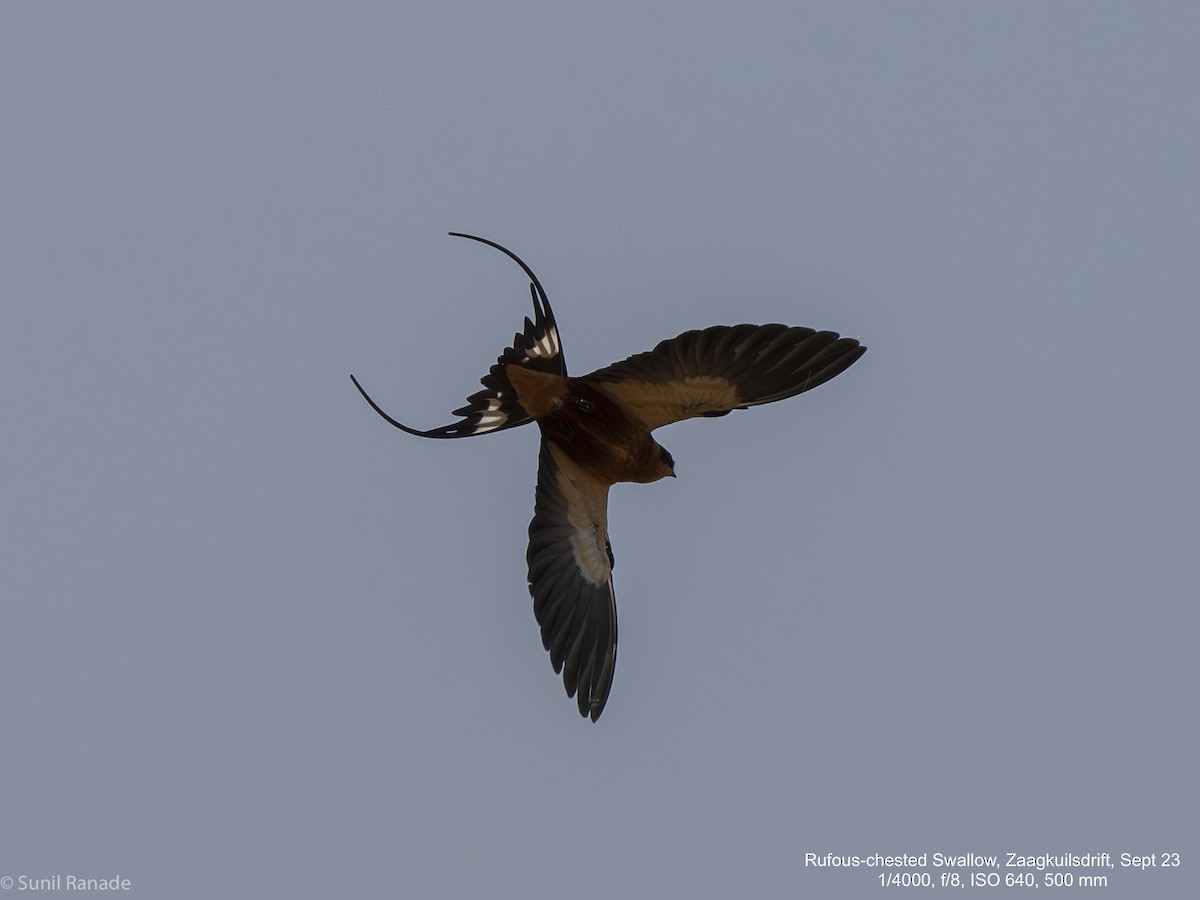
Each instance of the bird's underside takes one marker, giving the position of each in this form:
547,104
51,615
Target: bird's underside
596,431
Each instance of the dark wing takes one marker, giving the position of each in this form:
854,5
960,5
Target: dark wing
570,578
726,367
496,407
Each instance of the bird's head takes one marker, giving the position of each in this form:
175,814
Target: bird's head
667,462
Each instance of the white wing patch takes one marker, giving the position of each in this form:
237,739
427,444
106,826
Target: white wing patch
589,540
592,561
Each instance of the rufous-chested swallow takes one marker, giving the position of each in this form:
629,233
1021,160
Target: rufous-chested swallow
596,431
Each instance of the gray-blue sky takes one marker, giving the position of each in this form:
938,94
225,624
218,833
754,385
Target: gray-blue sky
258,643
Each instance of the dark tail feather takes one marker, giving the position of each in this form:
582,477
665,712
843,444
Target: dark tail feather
496,407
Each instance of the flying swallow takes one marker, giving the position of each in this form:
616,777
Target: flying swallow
596,431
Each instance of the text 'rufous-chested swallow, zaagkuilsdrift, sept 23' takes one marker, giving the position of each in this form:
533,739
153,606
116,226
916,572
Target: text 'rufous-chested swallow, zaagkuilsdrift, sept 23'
596,431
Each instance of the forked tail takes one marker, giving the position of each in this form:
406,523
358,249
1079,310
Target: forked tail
496,407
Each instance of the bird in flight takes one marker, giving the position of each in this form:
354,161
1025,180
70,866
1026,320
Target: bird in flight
596,431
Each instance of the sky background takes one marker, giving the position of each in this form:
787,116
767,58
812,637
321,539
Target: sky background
259,644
